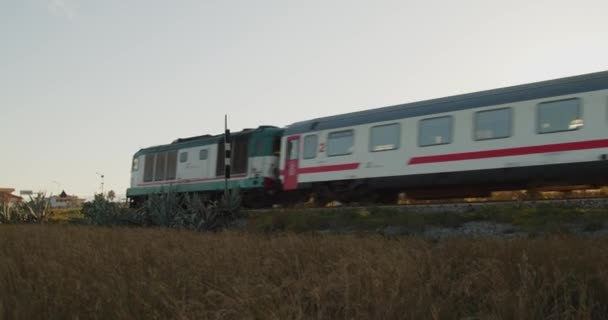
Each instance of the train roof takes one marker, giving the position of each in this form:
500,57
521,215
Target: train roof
536,90
207,139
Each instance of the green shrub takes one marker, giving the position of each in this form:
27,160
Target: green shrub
100,211
10,213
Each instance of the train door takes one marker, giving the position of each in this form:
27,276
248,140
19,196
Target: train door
291,163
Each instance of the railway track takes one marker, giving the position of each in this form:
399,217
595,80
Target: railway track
456,206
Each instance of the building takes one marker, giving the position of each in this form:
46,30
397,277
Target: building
64,200
6,195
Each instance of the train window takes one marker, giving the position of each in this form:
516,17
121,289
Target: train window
493,124
276,146
149,167
385,137
435,131
340,143
562,115
161,163
292,149
183,157
203,154
171,165
310,146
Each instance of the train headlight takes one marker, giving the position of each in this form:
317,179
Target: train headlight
135,164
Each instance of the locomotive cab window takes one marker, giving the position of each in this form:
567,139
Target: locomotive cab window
310,146
203,154
435,131
385,137
562,115
340,143
493,124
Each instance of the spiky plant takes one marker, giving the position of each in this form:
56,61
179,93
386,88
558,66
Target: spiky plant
163,209
228,208
37,209
231,202
199,214
203,215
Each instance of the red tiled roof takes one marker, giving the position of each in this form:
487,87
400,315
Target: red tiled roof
5,195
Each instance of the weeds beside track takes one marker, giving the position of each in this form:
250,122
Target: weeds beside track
68,272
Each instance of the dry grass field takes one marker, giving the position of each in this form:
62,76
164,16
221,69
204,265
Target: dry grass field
78,272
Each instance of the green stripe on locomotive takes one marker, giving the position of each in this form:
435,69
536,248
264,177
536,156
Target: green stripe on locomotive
216,185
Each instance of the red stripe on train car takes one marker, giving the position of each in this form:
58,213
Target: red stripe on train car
328,168
519,151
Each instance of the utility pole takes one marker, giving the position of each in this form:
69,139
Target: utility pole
226,156
102,176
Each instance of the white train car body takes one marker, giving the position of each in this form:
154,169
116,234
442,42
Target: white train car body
552,132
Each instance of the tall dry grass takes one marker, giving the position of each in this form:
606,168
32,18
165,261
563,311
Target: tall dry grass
70,272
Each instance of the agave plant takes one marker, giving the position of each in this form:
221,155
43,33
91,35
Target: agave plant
202,215
225,211
231,202
199,213
230,205
163,209
37,209
194,213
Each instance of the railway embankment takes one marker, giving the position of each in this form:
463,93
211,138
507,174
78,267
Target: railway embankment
581,218
588,218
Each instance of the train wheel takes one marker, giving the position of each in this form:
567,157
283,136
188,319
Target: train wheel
322,195
364,195
255,200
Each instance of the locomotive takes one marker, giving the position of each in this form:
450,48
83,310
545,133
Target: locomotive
544,134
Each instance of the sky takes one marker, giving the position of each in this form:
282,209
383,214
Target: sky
84,84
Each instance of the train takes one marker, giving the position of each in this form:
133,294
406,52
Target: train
539,135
